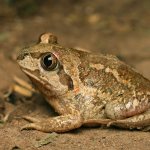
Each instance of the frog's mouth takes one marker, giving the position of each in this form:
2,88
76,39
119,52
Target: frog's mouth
42,84
31,75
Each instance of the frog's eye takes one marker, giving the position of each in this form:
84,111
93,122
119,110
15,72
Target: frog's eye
49,61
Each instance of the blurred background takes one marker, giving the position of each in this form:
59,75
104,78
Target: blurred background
119,27
109,26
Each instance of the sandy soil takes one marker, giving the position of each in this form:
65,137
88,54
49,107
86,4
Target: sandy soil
116,27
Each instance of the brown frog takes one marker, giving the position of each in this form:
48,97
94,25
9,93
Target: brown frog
85,89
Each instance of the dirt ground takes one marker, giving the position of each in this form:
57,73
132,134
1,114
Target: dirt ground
115,27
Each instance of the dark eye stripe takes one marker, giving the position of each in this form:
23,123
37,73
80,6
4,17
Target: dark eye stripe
21,56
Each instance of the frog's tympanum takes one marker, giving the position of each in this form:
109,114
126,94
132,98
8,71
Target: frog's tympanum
84,88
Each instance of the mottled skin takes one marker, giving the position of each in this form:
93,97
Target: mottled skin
86,89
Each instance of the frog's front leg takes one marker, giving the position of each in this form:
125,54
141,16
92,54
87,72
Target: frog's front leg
55,124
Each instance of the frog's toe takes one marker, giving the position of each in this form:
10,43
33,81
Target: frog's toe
40,126
36,126
31,119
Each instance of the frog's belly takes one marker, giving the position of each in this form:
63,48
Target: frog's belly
89,107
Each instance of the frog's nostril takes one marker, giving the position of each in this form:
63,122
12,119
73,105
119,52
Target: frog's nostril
20,57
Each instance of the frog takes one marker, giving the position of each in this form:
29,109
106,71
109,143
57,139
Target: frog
84,88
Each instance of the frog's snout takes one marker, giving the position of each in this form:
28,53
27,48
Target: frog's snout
20,57
22,54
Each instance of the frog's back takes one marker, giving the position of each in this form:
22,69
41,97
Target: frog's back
111,76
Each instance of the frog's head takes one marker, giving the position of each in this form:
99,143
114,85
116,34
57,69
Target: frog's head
50,66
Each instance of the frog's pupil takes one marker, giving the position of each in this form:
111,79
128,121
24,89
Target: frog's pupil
48,60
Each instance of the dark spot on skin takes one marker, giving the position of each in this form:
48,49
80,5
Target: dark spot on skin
36,55
70,85
78,96
65,79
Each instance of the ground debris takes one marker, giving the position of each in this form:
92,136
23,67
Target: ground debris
19,90
13,97
49,139
22,87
